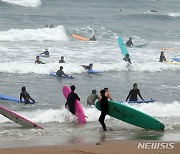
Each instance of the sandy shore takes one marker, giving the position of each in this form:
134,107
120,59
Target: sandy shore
112,147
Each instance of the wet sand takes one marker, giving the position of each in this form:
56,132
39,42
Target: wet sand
111,147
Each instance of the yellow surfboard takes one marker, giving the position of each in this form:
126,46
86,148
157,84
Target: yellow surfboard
80,37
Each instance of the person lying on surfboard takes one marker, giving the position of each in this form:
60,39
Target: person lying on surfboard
129,43
60,72
89,67
133,93
26,96
92,39
70,104
107,94
162,58
62,60
126,58
37,61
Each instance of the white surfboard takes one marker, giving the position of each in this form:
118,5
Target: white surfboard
18,119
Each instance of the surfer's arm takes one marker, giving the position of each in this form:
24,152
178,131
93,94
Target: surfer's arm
20,97
140,95
128,96
77,97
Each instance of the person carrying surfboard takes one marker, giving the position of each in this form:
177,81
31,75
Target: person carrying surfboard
25,96
70,104
104,108
127,58
129,43
133,93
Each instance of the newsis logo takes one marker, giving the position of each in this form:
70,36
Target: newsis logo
156,145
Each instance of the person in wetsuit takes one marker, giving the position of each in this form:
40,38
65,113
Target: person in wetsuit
127,58
46,52
37,61
89,67
129,43
25,96
92,39
104,108
70,104
162,58
107,94
133,93
62,60
92,98
60,72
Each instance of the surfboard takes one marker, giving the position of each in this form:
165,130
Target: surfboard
122,46
143,101
54,74
94,71
169,49
132,116
13,99
176,59
79,112
173,62
78,37
11,115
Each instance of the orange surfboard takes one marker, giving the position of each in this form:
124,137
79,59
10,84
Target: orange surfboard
80,37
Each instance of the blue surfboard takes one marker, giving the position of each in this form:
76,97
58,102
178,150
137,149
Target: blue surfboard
176,59
122,46
143,101
13,99
54,74
94,72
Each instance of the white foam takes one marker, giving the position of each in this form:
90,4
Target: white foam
26,3
174,14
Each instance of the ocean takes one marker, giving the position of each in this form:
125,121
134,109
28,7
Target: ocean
23,36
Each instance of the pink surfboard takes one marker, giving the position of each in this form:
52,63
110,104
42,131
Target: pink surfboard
18,119
78,108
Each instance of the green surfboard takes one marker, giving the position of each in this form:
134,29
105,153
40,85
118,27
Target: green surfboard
132,116
122,46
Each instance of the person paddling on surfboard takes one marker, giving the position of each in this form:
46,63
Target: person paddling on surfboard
127,58
104,108
46,52
70,104
162,58
60,72
133,93
37,61
107,94
92,39
129,43
26,96
89,67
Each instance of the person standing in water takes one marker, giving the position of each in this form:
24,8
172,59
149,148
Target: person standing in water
104,108
62,60
25,96
133,93
129,43
92,98
127,58
70,104
162,58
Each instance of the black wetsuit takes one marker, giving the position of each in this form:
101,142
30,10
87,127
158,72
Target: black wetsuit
71,101
92,39
129,43
162,58
26,97
104,110
133,95
61,61
60,73
39,62
87,67
46,53
127,59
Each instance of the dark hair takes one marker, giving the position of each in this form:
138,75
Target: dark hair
37,56
94,91
73,88
23,89
105,89
62,56
61,67
90,64
135,84
102,92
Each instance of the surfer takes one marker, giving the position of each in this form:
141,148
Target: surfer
104,108
37,61
62,60
107,94
46,52
162,57
133,93
60,72
89,67
127,58
70,104
92,98
26,96
129,42
92,39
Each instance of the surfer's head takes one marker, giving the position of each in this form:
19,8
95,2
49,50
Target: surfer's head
73,87
62,57
162,53
23,89
90,64
130,38
61,68
93,36
93,91
102,92
135,85
37,57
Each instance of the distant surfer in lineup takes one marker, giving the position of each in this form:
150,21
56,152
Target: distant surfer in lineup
46,53
92,98
37,61
104,108
62,60
133,93
107,94
60,72
92,39
25,96
70,104
162,58
89,67
129,43
127,58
